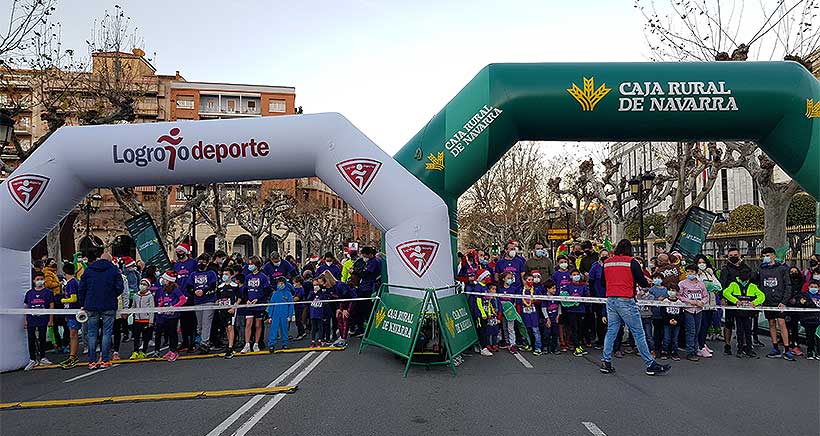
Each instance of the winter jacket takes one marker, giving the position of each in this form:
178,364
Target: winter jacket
735,292
775,282
100,286
133,278
670,276
713,286
52,281
809,301
730,272
144,302
281,310
690,291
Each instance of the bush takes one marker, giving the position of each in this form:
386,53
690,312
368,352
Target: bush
801,211
657,220
745,218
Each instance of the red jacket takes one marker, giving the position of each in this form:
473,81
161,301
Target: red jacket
621,274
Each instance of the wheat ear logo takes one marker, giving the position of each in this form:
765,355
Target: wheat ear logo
436,162
380,316
450,324
589,96
812,108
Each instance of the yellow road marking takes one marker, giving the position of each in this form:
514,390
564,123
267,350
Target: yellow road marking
147,397
206,356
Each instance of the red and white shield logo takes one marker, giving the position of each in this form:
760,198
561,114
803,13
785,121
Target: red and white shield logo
26,189
418,255
359,172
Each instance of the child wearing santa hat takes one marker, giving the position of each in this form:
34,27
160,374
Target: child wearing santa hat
143,321
166,322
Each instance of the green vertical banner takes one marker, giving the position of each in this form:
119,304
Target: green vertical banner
394,323
146,237
457,324
692,234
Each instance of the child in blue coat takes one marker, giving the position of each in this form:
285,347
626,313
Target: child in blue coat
280,314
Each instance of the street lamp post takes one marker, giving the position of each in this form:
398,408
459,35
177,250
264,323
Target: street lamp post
6,130
640,186
190,192
90,206
552,215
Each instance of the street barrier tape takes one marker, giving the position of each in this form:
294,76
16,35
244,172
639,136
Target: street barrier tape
165,310
147,397
206,356
600,300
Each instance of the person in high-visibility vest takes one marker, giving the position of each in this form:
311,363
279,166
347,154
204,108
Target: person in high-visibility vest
622,273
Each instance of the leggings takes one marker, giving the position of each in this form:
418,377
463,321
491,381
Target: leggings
120,327
316,325
573,323
744,333
657,335
811,337
167,328
36,342
792,325
341,321
705,323
59,321
141,331
187,323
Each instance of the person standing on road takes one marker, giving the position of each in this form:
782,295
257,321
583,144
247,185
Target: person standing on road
734,268
598,290
693,292
256,289
202,285
36,326
775,283
621,274
540,261
183,267
100,288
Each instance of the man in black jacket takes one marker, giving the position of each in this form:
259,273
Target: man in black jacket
774,281
730,271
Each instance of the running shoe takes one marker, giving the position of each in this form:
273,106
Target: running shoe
788,355
513,349
116,356
810,355
485,352
135,355
797,352
106,364
749,352
247,348
69,363
93,365
619,354
606,368
229,354
775,353
692,357
536,352
495,348
675,357
31,365
255,348
578,352
45,361
172,356
657,368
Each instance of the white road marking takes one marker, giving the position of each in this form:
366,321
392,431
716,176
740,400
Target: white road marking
593,428
523,360
246,427
90,373
250,403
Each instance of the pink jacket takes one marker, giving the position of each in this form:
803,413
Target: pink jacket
692,290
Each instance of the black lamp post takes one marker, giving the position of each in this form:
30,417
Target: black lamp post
190,192
552,215
640,186
90,206
6,130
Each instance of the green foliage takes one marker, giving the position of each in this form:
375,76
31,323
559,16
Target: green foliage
801,210
657,220
745,218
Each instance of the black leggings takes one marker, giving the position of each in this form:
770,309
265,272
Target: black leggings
120,327
811,338
744,332
167,328
316,326
573,321
59,321
36,342
141,331
657,335
187,323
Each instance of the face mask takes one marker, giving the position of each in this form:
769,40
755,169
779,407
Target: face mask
795,275
578,253
39,283
512,253
509,281
812,263
536,279
201,266
814,290
226,277
702,266
157,274
691,276
576,279
162,282
657,282
767,260
743,282
181,256
604,258
143,287
251,268
540,253
277,263
563,265
280,287
327,263
734,259
815,276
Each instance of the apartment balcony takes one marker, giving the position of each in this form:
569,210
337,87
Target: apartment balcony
229,112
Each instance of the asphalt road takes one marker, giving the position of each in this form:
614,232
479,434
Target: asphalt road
343,393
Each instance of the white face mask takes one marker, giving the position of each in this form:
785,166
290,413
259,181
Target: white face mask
39,283
512,253
702,266
563,265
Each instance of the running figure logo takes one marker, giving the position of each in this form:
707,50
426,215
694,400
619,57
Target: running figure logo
26,189
418,255
359,172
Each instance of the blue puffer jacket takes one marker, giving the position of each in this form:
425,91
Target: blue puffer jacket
100,286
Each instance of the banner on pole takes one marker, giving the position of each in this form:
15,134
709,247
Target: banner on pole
692,234
146,237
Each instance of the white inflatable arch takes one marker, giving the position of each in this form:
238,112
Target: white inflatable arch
51,182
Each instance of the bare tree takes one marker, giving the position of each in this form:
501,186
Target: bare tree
320,228
723,30
257,212
25,18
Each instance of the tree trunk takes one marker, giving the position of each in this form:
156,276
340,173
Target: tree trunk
774,218
256,250
618,229
53,245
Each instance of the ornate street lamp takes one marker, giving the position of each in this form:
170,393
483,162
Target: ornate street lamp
640,186
90,206
190,192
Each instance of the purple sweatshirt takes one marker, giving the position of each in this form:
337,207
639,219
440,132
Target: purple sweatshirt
692,290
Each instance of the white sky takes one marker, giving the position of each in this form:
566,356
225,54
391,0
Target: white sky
388,66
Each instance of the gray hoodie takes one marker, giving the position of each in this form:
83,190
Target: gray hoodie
144,301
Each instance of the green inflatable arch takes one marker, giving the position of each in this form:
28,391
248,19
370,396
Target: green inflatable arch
775,104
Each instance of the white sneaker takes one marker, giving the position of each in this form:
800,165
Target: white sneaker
486,352
31,365
255,348
247,348
708,350
45,361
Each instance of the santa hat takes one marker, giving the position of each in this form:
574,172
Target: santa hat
184,247
170,276
535,272
483,275
128,261
145,282
314,258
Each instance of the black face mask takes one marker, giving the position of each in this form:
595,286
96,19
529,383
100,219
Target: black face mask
181,256
812,263
578,253
603,258
734,259
201,266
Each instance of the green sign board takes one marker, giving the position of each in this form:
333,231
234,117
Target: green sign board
146,238
692,234
458,328
394,323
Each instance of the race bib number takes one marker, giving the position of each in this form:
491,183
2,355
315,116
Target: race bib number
770,282
673,310
223,302
316,303
528,309
492,322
